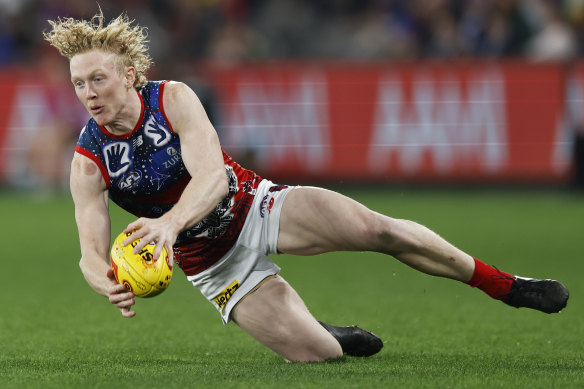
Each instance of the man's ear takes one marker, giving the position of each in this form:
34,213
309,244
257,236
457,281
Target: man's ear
130,76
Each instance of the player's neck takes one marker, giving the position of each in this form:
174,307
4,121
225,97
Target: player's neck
127,117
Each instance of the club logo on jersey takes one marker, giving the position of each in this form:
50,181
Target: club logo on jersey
117,158
130,180
159,134
266,206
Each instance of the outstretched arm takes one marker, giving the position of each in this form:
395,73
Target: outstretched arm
93,223
203,158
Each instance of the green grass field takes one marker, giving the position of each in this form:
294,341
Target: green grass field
55,332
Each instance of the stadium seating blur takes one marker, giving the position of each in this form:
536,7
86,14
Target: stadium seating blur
38,131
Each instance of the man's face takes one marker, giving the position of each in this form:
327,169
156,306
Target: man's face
99,85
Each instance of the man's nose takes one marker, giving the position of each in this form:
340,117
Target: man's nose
90,93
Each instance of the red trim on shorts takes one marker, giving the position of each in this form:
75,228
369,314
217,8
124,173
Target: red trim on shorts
91,156
161,106
136,128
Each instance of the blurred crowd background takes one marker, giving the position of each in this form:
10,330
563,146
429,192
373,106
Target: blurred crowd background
233,31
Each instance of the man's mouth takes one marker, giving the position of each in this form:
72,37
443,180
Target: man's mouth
96,109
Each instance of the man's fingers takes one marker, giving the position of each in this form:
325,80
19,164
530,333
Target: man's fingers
126,312
143,242
144,237
123,301
135,225
158,251
137,234
170,259
126,304
136,230
118,297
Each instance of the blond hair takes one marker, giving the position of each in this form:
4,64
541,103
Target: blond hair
72,37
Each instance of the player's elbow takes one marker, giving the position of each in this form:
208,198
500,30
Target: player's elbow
86,267
83,265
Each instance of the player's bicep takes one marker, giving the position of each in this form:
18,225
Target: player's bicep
200,147
91,212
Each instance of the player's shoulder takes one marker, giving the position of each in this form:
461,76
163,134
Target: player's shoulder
175,91
86,168
167,85
161,94
178,100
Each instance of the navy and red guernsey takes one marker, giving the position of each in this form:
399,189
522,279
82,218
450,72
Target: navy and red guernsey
145,175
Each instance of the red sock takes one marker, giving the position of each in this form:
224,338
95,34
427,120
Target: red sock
493,282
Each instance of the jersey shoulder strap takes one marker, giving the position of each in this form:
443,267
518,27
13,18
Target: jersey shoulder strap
155,91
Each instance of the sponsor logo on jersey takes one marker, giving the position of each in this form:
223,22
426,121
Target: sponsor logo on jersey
223,297
167,158
159,134
138,141
130,180
117,158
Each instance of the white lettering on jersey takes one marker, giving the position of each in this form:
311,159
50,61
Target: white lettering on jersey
117,158
159,135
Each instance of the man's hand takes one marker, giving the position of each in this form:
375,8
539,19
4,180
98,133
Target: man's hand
152,230
120,296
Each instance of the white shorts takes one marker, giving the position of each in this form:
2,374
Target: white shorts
246,265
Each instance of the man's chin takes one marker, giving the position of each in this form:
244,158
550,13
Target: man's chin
100,120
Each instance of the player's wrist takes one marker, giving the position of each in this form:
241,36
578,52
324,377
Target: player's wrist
175,222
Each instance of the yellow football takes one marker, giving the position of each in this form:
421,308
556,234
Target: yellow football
140,273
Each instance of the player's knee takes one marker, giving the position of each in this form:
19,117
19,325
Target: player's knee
301,344
300,338
371,230
332,350
394,236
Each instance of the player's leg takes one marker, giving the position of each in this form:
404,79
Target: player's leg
277,317
315,220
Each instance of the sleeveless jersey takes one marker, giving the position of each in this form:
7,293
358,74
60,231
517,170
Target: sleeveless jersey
145,176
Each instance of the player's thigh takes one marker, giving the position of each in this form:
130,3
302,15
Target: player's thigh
316,220
276,316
